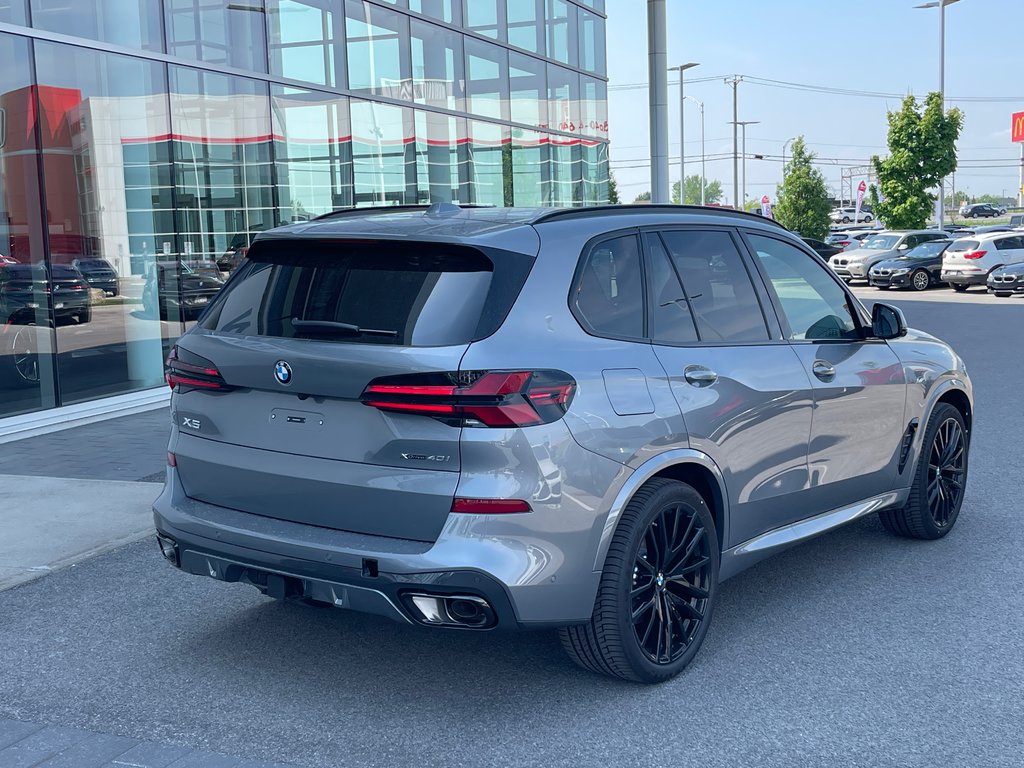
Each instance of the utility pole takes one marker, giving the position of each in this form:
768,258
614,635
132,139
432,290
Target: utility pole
682,135
744,124
657,59
736,80
703,154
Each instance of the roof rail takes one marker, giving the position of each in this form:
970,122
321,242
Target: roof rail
382,209
596,210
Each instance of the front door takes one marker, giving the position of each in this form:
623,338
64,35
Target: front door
745,398
858,382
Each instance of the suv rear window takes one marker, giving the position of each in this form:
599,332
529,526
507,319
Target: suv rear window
962,245
405,294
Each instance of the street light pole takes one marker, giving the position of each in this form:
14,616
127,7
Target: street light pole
744,124
657,73
735,143
940,202
784,145
703,155
682,144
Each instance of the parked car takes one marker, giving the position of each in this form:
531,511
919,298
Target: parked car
847,215
25,290
174,291
821,248
979,210
990,228
382,455
856,263
920,268
235,252
99,274
848,240
1006,281
1017,220
969,261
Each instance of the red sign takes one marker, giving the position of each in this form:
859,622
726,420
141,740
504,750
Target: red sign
765,200
862,187
1017,127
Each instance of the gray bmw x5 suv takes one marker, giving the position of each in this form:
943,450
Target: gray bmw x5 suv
584,419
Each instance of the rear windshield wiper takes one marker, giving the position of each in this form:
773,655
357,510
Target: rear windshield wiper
329,328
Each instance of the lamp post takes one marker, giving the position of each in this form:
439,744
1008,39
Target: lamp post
682,144
743,127
657,74
940,202
784,145
703,155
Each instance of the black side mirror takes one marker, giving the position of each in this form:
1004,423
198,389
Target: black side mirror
887,322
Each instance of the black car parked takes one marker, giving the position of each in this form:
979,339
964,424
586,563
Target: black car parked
99,274
919,269
175,290
823,249
26,289
1007,280
980,210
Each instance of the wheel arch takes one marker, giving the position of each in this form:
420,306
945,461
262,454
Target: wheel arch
695,468
959,400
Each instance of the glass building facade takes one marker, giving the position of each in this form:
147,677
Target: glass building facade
143,143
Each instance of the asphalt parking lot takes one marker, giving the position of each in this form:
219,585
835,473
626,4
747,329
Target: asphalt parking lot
854,649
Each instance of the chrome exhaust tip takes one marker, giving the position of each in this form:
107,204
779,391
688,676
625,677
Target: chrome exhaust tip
465,611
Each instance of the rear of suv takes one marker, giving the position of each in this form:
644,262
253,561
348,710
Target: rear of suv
585,419
970,260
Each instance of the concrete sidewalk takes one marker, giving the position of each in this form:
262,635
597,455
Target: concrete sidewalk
47,523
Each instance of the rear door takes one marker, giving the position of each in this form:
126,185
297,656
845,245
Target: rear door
744,395
858,384
296,337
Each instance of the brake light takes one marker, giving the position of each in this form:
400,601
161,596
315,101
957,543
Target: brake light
489,506
974,254
186,370
477,398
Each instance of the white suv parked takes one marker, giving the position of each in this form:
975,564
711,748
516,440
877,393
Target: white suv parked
847,215
969,260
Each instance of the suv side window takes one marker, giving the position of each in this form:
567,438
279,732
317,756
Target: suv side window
722,297
670,319
609,289
1008,243
814,304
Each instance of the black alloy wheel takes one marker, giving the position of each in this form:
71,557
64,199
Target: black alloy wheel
25,355
671,584
947,471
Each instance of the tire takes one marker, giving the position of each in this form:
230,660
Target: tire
612,643
1002,294
935,499
867,218
84,316
882,287
846,219
24,368
920,280
958,288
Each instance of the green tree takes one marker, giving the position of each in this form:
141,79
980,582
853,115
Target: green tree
712,191
643,197
804,201
613,189
922,151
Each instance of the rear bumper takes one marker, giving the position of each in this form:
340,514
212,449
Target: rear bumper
979,278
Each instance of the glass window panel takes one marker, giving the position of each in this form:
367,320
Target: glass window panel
563,99
105,134
527,90
223,174
670,320
718,286
314,152
526,24
592,44
594,107
26,341
564,172
13,12
528,151
440,158
595,172
383,154
609,293
437,66
378,49
486,79
485,17
304,37
229,32
130,23
562,43
490,148
443,10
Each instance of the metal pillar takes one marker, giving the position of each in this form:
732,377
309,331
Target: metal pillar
735,144
657,53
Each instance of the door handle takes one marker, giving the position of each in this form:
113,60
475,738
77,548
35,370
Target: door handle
824,371
699,376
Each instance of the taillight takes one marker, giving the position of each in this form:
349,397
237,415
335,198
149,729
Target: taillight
477,398
974,254
489,506
186,370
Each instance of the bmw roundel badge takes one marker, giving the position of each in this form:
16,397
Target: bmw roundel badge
283,372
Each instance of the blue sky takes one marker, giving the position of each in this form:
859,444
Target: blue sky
881,46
